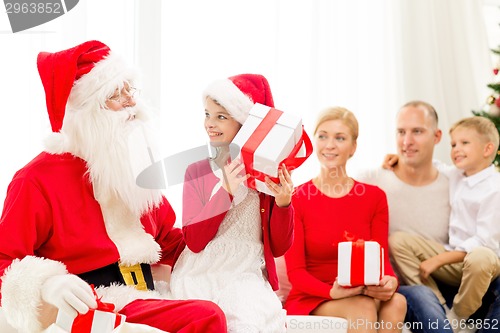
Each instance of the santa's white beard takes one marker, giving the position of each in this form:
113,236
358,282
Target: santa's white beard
114,143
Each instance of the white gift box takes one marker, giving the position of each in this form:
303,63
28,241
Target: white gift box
94,321
273,141
360,263
122,328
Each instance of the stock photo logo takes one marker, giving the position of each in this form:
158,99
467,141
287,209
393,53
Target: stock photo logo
172,169
26,14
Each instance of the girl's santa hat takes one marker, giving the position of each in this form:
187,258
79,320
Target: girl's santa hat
88,72
237,94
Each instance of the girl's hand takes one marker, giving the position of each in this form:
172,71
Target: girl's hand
232,176
338,292
284,190
384,291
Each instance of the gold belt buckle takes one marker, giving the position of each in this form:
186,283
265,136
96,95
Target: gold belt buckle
133,276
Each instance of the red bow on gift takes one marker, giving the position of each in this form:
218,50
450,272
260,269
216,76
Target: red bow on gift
351,238
83,322
108,307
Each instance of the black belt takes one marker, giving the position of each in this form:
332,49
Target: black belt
138,275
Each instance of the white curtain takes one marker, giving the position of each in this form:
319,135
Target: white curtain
370,56
24,121
315,54
442,56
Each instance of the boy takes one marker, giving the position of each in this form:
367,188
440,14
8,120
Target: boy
471,257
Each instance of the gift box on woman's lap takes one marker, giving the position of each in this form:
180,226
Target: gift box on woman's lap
268,137
360,263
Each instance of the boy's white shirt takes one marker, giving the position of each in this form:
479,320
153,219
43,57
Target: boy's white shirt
475,212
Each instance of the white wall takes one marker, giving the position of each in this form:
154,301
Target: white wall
315,54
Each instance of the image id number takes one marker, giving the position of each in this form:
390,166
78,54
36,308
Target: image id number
33,8
478,324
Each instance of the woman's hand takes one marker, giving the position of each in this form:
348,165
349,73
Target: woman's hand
232,176
384,291
338,292
284,190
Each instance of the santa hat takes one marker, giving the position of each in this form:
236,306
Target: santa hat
89,70
237,94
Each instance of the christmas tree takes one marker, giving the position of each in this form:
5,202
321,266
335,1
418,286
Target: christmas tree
491,109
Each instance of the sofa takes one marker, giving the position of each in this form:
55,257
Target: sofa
295,324
305,324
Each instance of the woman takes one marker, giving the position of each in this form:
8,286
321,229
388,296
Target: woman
327,208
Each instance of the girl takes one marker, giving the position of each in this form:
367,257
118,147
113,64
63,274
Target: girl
233,233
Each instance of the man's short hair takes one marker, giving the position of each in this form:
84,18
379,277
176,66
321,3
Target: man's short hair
430,109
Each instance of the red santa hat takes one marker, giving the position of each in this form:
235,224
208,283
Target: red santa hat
237,94
89,70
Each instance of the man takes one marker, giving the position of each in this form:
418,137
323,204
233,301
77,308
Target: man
74,215
418,197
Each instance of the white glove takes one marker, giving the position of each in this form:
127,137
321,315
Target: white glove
69,293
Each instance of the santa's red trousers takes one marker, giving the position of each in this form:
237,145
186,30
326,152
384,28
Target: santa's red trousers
191,316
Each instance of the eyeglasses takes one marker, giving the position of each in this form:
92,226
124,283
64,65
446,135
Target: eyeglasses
124,95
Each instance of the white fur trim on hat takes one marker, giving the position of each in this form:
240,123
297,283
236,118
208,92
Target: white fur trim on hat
227,94
101,82
21,290
56,143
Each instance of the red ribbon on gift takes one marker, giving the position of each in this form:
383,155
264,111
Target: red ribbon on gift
358,263
357,256
254,141
83,322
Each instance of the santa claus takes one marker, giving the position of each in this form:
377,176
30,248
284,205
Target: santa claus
74,215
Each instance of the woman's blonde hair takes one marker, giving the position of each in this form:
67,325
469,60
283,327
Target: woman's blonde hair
342,114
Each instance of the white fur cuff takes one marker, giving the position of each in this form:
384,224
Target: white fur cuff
21,290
